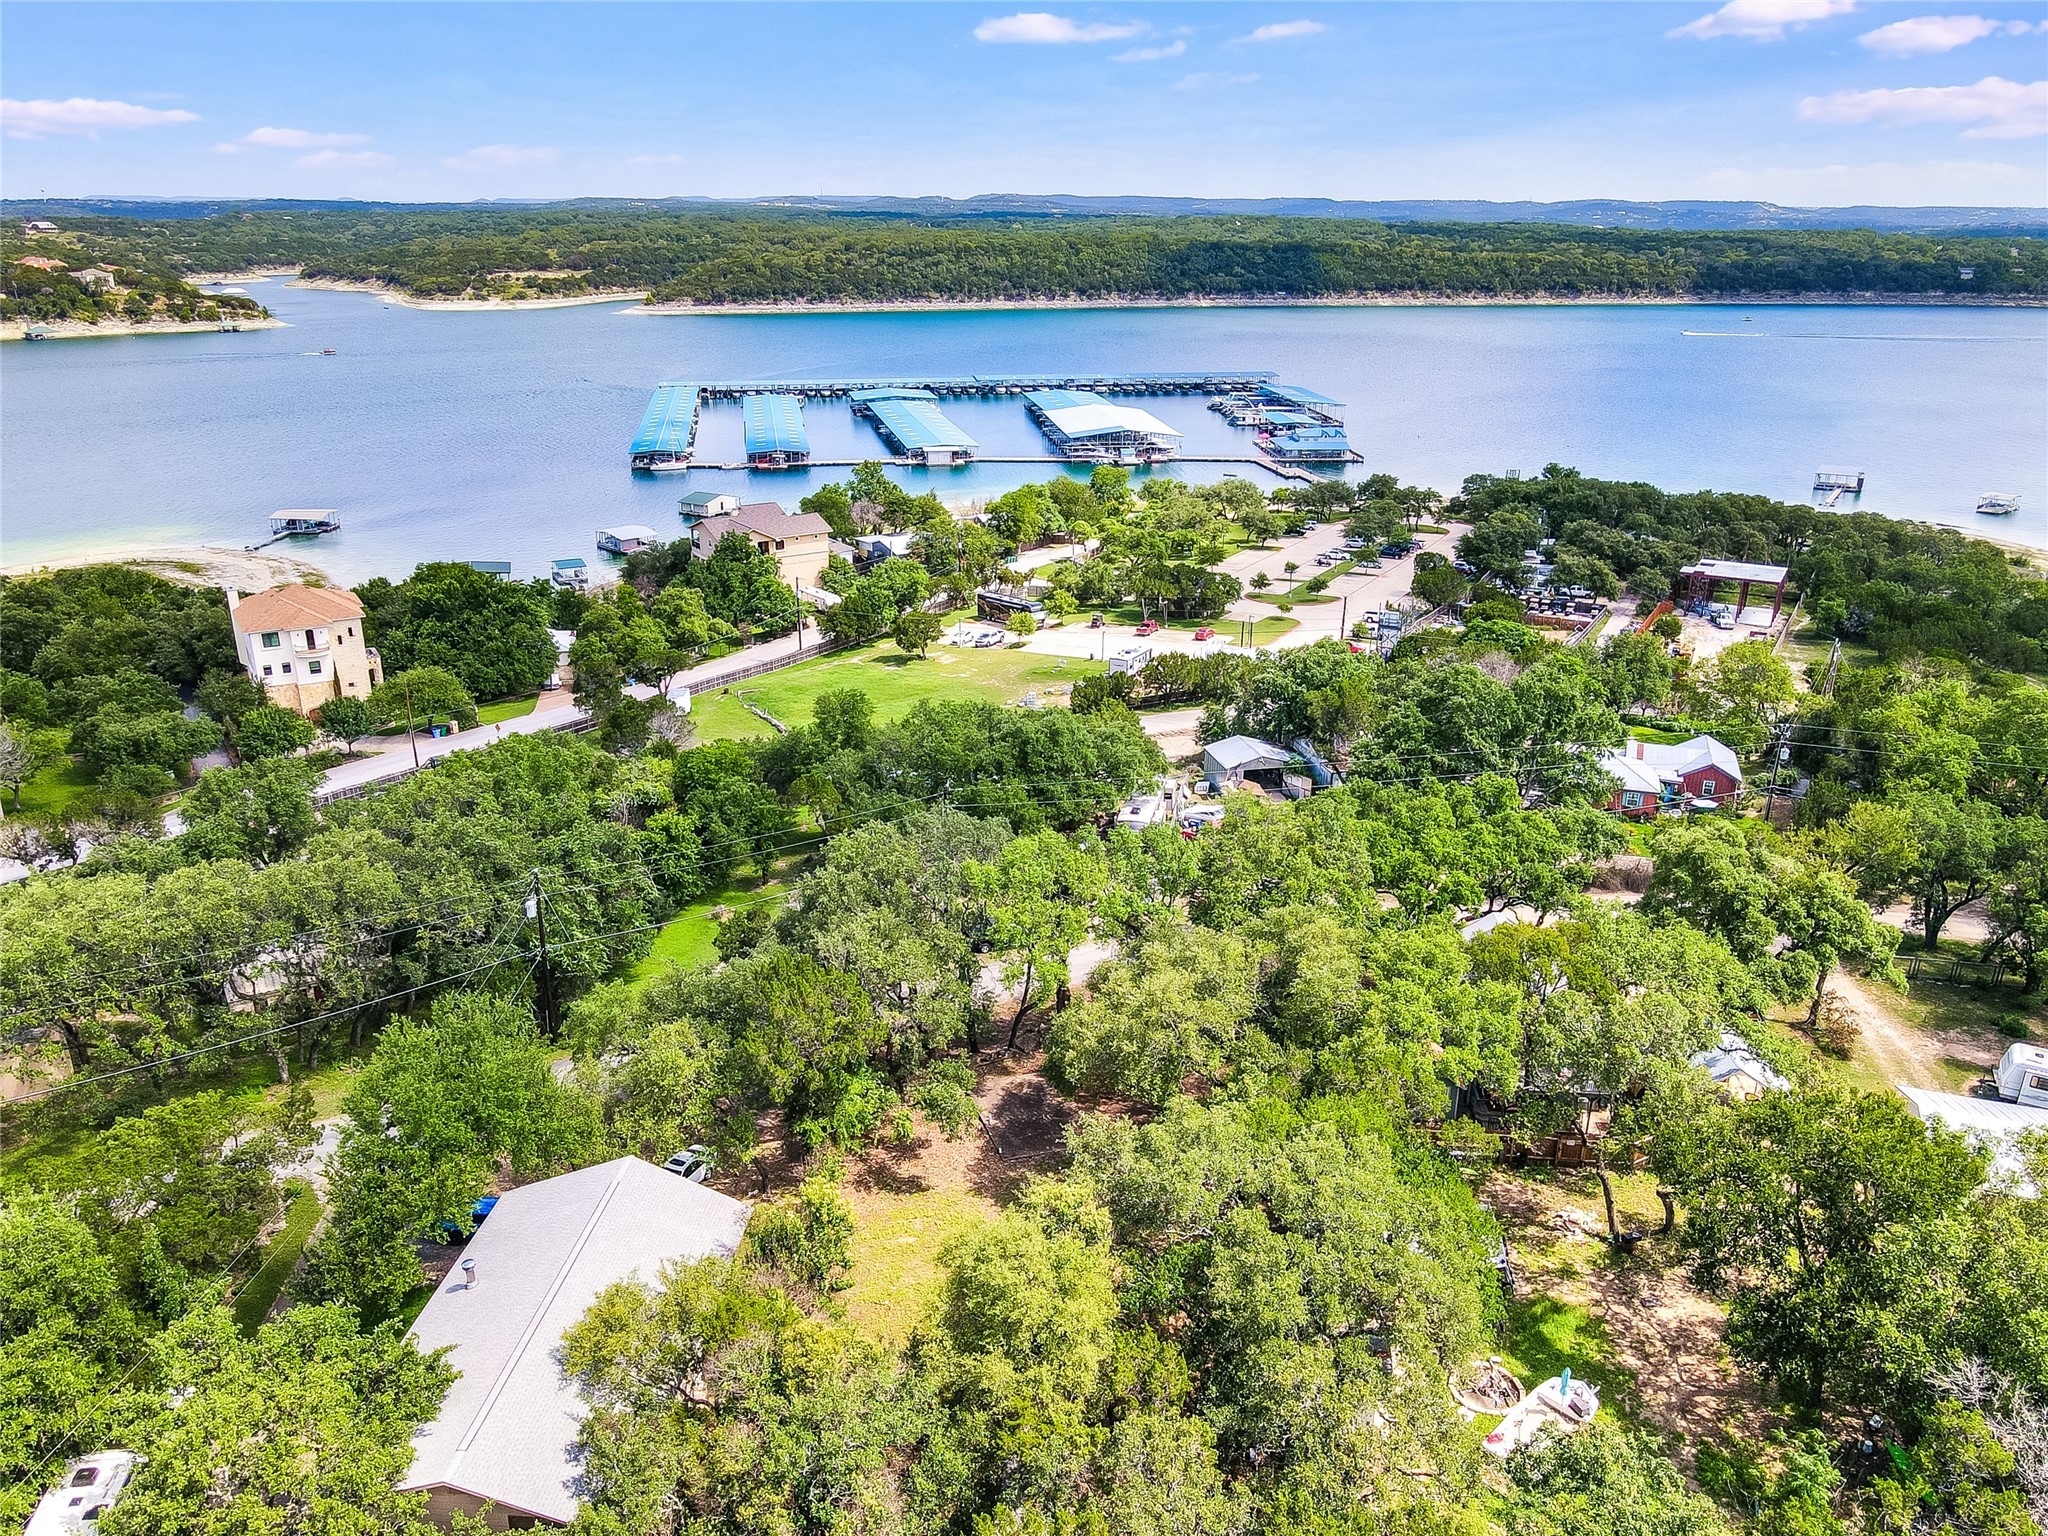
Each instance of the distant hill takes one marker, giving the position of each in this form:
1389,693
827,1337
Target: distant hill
1600,213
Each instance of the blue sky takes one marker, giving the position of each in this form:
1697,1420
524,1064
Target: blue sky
1795,101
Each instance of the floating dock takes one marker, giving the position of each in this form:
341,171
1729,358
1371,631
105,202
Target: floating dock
1831,482
1085,426
299,523
775,433
911,423
668,429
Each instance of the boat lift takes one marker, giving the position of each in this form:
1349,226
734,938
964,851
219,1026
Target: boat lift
299,523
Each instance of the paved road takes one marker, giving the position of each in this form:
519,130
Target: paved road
392,757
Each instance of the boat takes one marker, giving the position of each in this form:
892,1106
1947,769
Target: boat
327,351
668,466
1999,503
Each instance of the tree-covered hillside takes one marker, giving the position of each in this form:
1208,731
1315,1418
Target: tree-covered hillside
751,255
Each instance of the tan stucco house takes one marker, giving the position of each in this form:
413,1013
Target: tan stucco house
799,541
304,645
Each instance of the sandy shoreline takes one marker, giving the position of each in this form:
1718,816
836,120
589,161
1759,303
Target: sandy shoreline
78,330
203,565
391,295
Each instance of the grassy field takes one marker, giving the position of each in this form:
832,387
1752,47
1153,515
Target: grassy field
1264,631
892,679
506,709
56,792
896,1244
253,1301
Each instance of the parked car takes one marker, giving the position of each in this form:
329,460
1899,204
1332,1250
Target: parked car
988,638
694,1163
1205,633
1149,627
1390,550
1310,526
1464,567
1095,622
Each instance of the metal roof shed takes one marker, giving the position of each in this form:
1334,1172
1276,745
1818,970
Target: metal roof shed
668,428
774,426
1226,762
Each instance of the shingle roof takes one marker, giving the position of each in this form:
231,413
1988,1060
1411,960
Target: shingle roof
295,607
1734,1055
507,1429
764,518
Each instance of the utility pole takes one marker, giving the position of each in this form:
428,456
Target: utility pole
1779,752
409,733
1344,617
537,910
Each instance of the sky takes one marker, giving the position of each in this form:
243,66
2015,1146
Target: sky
1807,102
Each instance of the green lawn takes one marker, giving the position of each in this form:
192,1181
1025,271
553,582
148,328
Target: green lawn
896,1242
253,1301
1546,1335
56,792
892,679
1264,631
687,940
506,709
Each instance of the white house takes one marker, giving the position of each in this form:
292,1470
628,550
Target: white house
304,645
626,538
506,1434
698,505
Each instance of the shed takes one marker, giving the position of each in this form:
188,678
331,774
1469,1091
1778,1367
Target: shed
506,1434
1991,1125
1225,763
491,567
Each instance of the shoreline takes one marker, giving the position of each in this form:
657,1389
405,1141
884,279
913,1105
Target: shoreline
399,296
79,330
197,564
1349,301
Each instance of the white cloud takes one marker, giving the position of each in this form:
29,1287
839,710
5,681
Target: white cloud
300,138
1211,82
1281,31
1995,108
82,116
1763,21
1044,27
341,160
501,156
1935,34
1172,50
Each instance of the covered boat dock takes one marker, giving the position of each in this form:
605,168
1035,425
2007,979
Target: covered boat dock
775,433
668,428
911,422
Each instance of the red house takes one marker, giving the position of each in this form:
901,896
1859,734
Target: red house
1655,777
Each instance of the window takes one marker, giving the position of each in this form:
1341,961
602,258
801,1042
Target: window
2038,1081
287,669
313,667
310,641
266,669
1631,799
272,640
1706,786
778,543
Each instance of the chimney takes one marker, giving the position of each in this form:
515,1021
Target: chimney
234,597
1639,751
469,1274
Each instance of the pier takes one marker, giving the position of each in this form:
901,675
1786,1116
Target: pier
1831,482
298,523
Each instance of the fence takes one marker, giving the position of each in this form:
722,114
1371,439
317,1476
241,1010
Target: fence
1955,968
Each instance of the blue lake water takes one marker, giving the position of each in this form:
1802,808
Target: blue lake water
503,435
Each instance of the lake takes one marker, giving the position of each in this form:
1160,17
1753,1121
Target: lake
502,435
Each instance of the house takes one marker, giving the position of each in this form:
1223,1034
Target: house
1990,1125
505,1438
698,505
1655,776
626,538
304,645
38,227
873,548
2022,1076
1738,1071
799,541
96,277
41,263
1226,763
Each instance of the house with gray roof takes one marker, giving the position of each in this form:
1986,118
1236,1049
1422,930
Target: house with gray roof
504,1443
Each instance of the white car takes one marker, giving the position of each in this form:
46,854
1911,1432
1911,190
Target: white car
694,1163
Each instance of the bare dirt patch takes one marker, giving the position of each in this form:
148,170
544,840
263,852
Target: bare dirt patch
1653,1327
1893,1049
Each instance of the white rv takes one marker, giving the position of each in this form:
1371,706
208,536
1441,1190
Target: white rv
2022,1076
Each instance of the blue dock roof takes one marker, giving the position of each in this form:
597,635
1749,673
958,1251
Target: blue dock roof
1312,443
917,424
1294,394
670,421
775,424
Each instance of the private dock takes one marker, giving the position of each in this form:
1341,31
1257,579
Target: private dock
298,523
1831,482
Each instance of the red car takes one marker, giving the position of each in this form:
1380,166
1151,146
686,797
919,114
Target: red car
1149,627
1205,633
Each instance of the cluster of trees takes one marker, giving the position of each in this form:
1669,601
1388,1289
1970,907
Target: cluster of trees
755,255
38,294
492,634
1905,588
